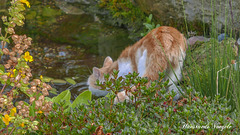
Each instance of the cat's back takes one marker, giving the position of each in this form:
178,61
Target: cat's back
164,38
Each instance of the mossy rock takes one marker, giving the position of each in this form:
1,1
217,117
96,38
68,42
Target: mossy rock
50,12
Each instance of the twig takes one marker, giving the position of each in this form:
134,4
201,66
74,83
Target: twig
220,71
217,76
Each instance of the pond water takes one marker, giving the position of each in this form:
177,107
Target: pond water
68,45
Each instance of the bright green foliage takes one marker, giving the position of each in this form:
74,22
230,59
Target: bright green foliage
65,96
213,67
124,13
83,98
70,80
17,117
122,9
210,70
149,25
154,112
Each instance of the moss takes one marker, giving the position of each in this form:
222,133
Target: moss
122,9
125,14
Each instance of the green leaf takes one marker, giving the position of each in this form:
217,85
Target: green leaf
148,26
7,40
70,80
20,16
53,91
25,103
150,17
24,90
83,98
49,99
2,69
65,95
58,82
158,25
21,8
53,98
12,84
109,94
31,109
47,79
1,52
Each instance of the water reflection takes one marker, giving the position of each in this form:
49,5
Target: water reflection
68,45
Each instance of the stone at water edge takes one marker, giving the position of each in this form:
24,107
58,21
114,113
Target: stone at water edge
222,36
194,39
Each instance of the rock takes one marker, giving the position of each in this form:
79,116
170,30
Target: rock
50,12
46,49
50,55
68,9
194,39
78,1
222,36
62,54
168,11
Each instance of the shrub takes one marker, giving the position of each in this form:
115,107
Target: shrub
154,112
17,116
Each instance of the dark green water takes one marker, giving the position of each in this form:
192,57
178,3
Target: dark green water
68,45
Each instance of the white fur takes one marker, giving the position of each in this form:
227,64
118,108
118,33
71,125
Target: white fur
175,75
97,92
142,63
124,67
122,93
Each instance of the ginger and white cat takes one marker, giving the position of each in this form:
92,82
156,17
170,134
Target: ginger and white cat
162,49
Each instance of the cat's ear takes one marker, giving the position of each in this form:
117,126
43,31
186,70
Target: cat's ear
96,72
108,61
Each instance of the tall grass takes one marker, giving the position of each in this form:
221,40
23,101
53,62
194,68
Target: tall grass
214,73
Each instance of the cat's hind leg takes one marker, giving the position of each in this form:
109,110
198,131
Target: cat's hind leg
174,75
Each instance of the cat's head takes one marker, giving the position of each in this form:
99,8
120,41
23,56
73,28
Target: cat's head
98,74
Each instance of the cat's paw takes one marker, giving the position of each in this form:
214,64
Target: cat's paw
122,96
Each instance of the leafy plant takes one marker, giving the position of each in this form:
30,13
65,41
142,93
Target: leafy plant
122,9
149,25
210,65
65,97
124,13
154,112
18,117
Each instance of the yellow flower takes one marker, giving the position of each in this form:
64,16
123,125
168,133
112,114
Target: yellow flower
28,57
25,2
11,73
13,111
6,119
41,77
23,76
22,125
40,112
